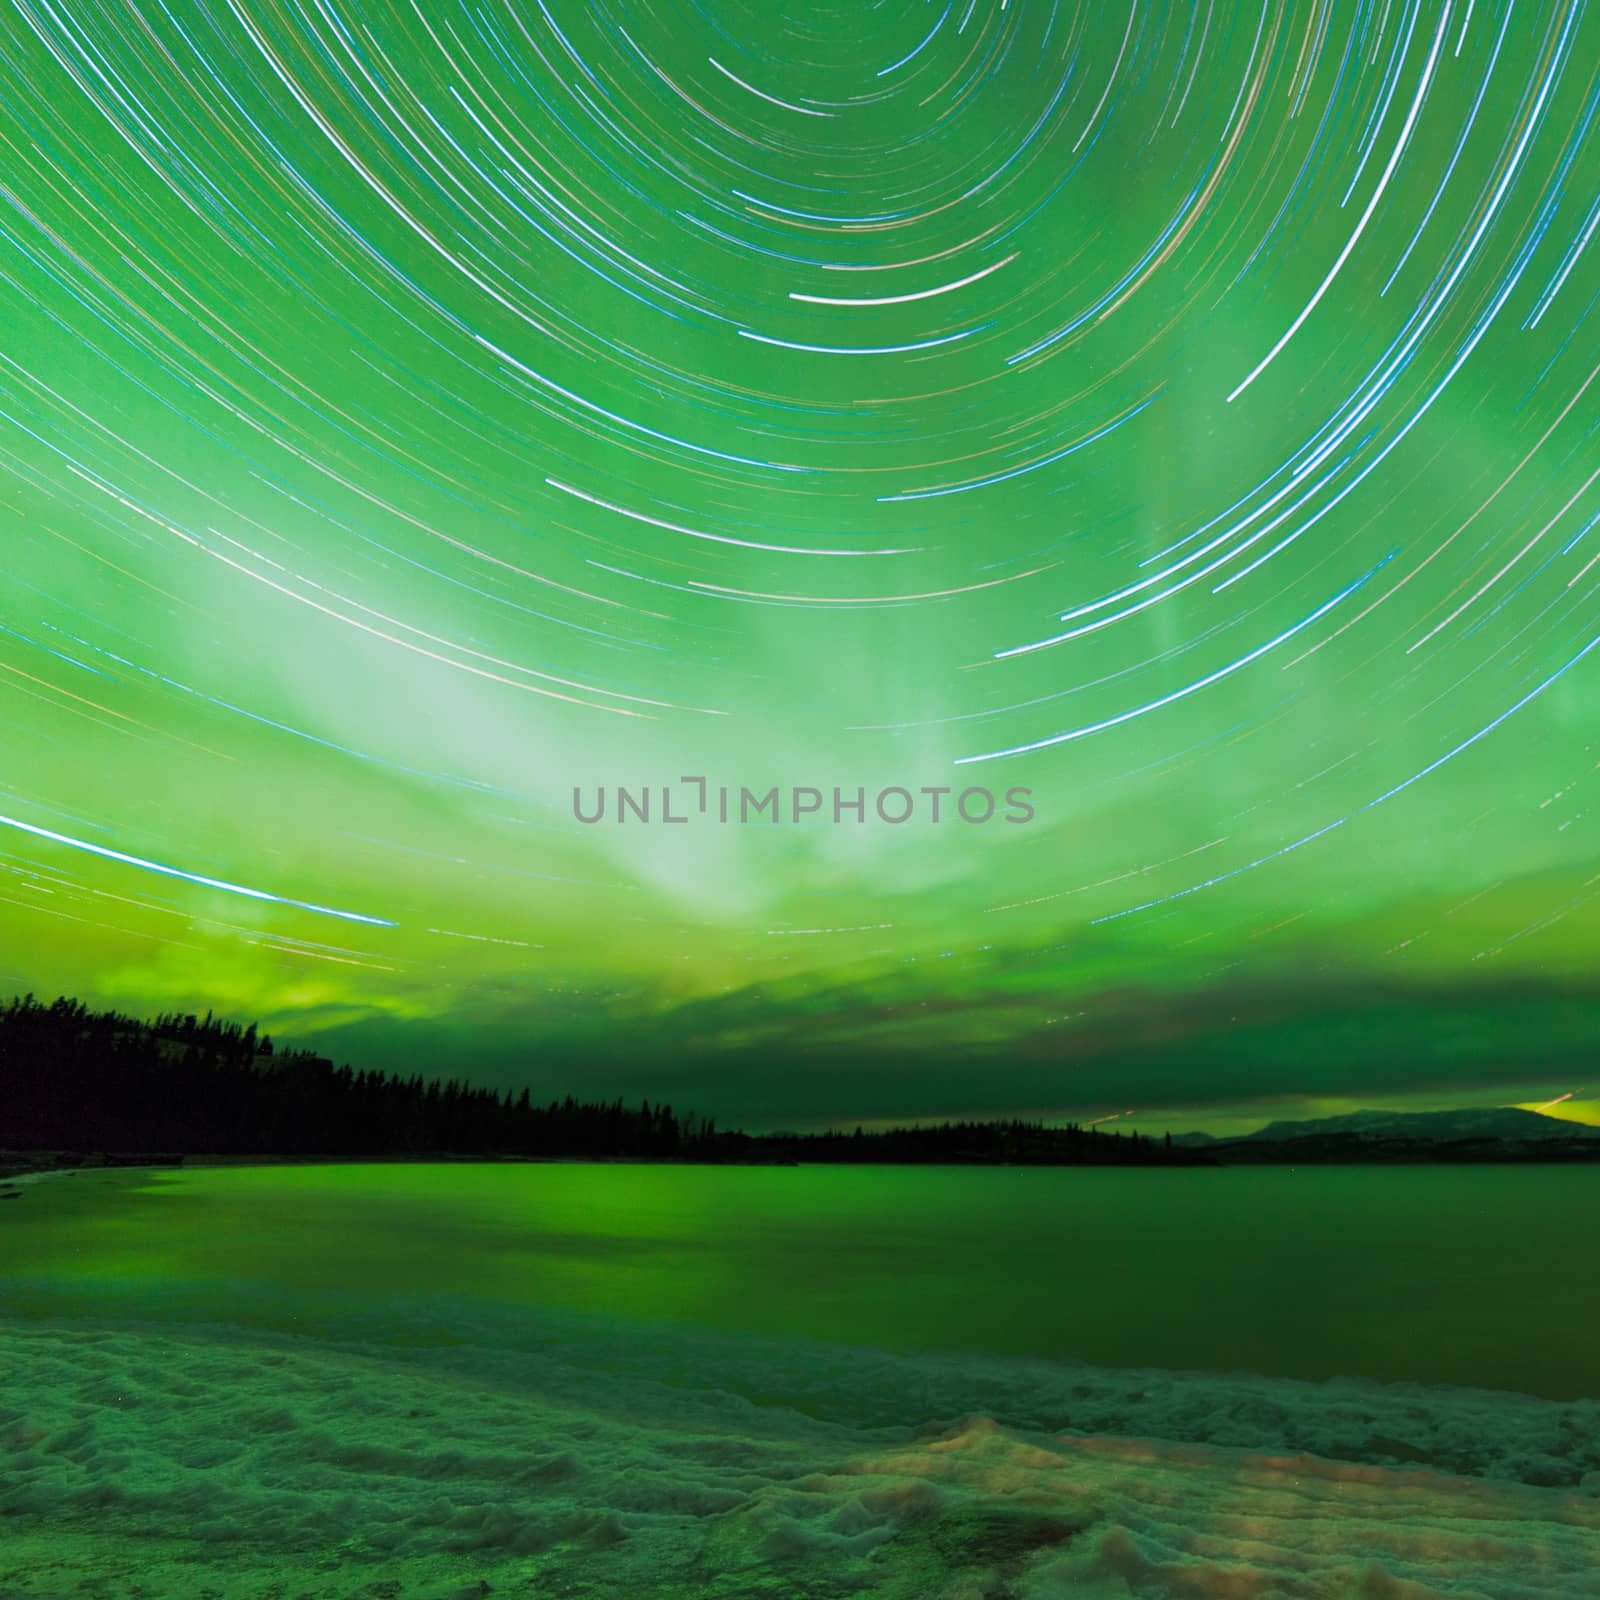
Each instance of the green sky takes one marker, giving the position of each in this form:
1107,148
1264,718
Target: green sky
1188,414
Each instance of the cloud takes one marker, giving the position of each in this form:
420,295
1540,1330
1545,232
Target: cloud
904,1042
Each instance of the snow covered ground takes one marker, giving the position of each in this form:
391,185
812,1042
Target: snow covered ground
441,1448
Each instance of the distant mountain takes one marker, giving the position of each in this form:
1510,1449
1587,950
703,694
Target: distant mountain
1487,1134
1484,1122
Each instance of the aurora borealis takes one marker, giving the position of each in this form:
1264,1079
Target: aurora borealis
409,413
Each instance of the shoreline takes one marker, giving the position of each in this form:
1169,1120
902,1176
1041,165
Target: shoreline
28,1166
20,1166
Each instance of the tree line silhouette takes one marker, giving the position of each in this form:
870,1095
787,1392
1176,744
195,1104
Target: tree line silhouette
76,1080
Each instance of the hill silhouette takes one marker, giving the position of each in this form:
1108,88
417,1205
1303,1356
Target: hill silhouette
1474,1122
75,1080
1472,1133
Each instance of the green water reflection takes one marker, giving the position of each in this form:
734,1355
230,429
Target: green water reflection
1468,1275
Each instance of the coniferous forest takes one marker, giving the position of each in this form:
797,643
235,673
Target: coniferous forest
75,1080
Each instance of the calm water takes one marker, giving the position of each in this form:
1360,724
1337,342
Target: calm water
1469,1275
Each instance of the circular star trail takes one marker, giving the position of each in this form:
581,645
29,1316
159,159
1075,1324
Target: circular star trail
409,413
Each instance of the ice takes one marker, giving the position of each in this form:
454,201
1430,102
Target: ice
428,1449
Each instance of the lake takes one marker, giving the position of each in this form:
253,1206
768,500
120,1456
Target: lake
1471,1275
437,1382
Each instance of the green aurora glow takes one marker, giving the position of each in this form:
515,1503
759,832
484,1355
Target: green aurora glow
399,409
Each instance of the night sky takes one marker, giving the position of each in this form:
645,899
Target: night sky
411,412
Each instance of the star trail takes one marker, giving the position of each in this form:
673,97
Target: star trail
412,412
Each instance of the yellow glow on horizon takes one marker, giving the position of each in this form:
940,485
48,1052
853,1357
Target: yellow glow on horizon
1567,1109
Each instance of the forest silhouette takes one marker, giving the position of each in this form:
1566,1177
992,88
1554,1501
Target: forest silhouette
72,1079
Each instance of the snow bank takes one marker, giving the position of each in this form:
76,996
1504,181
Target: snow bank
594,1457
